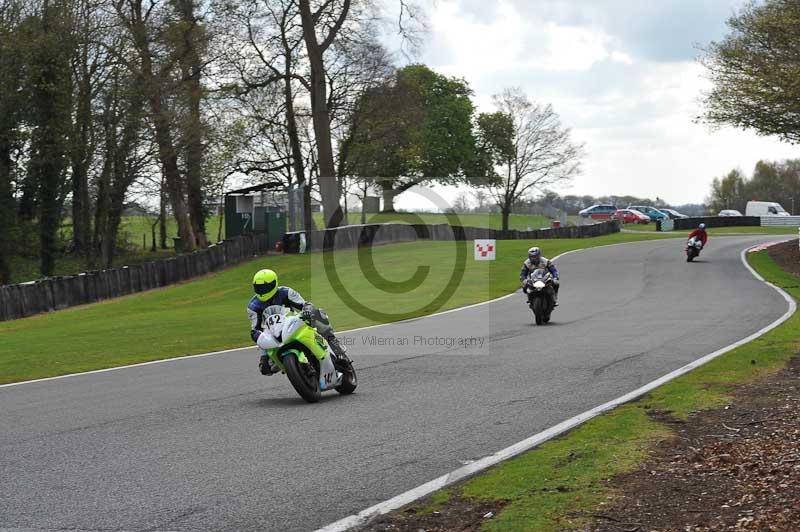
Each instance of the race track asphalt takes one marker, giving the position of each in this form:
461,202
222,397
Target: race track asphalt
209,444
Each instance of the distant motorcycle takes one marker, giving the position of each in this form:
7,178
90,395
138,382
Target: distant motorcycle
693,248
303,354
540,290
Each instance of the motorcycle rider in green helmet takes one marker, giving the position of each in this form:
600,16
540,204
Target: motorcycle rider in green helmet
269,293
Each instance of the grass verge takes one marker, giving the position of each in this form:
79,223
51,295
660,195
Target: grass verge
554,485
492,220
209,314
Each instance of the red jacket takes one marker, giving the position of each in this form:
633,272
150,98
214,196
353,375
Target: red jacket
701,234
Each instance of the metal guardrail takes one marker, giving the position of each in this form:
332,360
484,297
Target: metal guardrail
780,221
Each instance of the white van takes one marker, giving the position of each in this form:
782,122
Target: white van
764,208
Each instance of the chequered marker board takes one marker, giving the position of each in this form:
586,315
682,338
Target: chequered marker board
485,249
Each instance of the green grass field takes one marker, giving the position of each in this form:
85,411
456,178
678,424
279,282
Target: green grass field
209,314
135,227
137,233
516,221
550,487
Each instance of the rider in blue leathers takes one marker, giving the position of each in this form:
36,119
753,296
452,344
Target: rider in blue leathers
535,261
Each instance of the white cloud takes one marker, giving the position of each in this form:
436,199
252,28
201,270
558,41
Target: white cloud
619,72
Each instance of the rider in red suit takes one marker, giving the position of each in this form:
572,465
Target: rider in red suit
700,233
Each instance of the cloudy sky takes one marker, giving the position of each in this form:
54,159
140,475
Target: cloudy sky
621,73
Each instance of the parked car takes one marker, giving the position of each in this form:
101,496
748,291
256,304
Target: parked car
672,213
765,208
729,212
631,216
652,212
598,212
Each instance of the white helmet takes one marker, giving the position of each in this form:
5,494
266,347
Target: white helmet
534,253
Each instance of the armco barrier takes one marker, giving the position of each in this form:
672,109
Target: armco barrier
780,221
717,221
56,293
352,236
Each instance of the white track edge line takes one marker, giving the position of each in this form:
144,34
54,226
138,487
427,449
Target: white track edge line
234,349
363,517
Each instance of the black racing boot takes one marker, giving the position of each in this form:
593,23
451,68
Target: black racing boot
267,366
339,350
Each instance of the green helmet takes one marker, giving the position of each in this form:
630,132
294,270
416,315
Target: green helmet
265,284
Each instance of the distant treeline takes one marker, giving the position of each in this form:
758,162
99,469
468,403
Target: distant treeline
572,204
777,181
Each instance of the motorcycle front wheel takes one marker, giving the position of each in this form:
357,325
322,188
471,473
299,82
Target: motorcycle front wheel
304,378
539,310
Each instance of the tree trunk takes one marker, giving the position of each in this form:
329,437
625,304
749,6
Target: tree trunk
505,210
80,156
162,217
162,124
81,225
308,215
172,175
389,193
117,204
101,208
296,148
153,248
191,69
51,106
111,135
320,114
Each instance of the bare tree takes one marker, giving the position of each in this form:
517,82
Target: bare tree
480,197
529,145
327,19
189,45
462,203
139,20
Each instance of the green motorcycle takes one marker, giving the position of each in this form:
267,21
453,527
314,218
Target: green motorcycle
304,356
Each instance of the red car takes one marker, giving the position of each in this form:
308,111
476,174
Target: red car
631,216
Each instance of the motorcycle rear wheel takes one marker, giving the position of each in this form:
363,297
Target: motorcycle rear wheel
305,380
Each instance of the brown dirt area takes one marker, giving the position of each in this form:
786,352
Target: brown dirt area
787,256
459,514
735,468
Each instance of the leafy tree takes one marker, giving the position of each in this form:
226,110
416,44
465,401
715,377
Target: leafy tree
416,128
11,76
754,71
771,181
49,77
189,42
728,192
